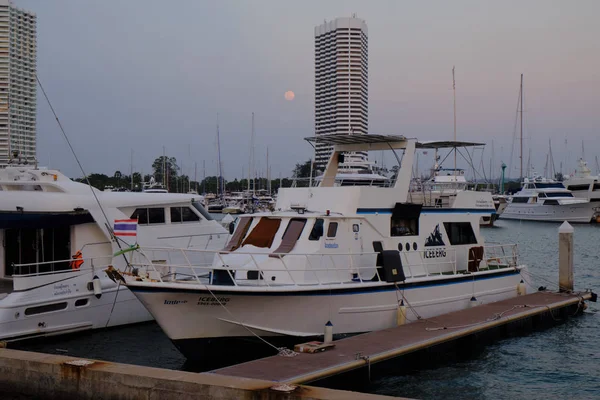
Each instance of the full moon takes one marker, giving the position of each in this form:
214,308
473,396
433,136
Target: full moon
289,95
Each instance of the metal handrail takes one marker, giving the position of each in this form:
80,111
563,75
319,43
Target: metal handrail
496,253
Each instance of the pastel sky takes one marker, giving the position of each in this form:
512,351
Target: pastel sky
143,74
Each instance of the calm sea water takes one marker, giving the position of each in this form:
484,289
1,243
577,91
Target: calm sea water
562,362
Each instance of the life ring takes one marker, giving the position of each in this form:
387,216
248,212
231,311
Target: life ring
77,260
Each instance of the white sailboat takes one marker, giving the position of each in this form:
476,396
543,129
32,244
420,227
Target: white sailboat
348,255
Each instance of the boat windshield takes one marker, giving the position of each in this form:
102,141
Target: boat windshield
202,210
549,185
559,194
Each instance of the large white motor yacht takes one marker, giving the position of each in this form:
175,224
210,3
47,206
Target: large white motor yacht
352,256
583,184
542,199
59,239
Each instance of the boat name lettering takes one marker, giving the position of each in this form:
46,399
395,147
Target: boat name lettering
175,301
61,289
331,245
435,253
212,301
483,204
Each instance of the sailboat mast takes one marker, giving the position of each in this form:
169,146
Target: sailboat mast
454,93
131,169
251,158
219,181
521,101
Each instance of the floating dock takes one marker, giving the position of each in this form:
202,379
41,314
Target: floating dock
499,319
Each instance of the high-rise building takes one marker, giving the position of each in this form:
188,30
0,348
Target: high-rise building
341,83
18,51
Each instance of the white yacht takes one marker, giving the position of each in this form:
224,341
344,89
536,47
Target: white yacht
353,256
542,199
58,241
583,184
449,188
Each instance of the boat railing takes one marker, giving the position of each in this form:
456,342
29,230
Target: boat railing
306,269
340,181
45,268
211,238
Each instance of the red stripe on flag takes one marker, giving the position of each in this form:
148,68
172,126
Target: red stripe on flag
125,220
125,234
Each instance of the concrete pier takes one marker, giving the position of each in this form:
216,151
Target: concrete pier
46,376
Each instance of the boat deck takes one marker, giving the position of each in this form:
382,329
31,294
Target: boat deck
369,348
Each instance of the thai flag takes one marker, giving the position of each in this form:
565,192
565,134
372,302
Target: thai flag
125,227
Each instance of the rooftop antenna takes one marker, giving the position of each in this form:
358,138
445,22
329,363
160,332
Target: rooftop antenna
454,93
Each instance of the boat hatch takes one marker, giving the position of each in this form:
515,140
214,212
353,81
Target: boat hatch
239,234
290,236
263,233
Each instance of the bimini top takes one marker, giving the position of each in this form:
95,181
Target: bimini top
336,139
445,144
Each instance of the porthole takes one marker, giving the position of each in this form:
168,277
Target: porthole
415,247
81,302
400,247
407,247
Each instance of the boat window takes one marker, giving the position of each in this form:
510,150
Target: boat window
317,230
239,234
332,229
263,234
559,194
141,214
183,214
202,211
175,214
541,195
32,246
520,199
596,186
405,220
290,236
156,215
551,202
579,187
187,215
45,308
460,233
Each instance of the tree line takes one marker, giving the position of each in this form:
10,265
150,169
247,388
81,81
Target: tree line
166,172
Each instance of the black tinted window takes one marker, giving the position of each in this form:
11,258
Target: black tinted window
460,233
332,229
141,214
188,215
317,230
175,214
156,215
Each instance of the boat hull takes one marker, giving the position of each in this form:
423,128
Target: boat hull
68,306
197,320
577,213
